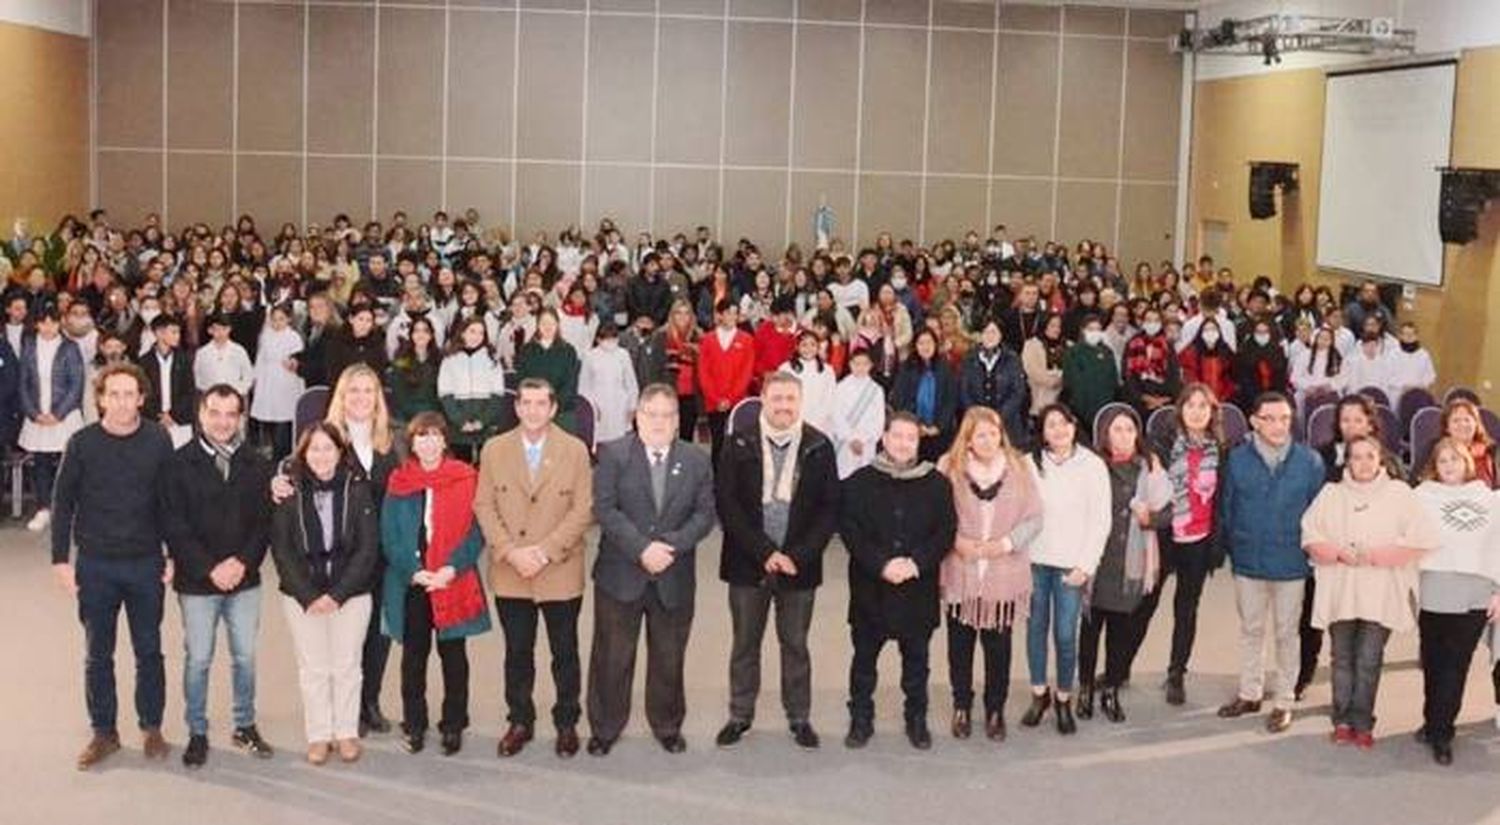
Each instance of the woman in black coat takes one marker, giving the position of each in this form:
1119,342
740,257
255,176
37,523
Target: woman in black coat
992,376
325,542
928,389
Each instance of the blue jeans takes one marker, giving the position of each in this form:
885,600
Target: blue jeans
105,585
240,613
1054,606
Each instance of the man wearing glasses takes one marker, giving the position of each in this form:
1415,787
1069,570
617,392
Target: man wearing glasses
1268,482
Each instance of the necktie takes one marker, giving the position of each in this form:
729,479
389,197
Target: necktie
658,477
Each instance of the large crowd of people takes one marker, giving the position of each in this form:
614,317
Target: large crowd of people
976,421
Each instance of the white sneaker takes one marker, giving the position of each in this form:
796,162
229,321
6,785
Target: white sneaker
39,521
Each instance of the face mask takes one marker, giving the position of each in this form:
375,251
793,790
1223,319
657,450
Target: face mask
149,315
898,283
1262,338
1093,337
1410,346
1372,336
1151,327
1211,338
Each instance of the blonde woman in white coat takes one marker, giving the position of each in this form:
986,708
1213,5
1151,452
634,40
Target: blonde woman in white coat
277,384
470,384
607,378
818,381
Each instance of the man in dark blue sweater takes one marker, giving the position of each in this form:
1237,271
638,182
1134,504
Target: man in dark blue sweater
107,503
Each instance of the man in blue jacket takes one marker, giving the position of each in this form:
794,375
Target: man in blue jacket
1268,483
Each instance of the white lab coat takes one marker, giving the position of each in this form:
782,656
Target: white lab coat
607,378
858,415
818,385
276,387
578,330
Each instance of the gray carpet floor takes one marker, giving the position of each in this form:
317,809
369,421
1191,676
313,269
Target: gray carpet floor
1164,765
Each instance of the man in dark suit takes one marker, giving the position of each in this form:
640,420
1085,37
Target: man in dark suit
169,371
654,501
777,494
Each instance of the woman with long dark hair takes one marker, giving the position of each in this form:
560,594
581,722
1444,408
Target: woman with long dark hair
926,388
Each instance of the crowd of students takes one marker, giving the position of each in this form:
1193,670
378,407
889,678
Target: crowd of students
936,408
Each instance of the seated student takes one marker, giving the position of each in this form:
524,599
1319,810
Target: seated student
432,543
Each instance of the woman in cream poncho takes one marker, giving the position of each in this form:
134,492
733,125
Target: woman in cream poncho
1364,535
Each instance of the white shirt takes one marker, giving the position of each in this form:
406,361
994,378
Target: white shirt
362,439
165,362
856,293
226,363
725,336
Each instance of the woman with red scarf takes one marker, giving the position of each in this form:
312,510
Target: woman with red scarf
432,544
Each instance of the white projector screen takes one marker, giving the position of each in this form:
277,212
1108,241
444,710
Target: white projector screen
1385,132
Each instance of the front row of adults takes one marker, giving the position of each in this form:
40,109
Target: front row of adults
984,538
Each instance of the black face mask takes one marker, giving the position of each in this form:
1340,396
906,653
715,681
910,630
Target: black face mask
1411,346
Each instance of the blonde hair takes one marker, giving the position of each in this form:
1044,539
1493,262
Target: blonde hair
1448,443
955,461
380,430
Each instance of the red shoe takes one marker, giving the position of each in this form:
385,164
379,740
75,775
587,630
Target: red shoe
1343,735
1364,740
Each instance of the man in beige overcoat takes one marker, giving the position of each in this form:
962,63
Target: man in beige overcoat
534,503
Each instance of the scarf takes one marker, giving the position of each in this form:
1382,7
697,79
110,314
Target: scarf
1142,553
1193,467
927,395
320,553
789,440
223,454
452,486
901,472
991,593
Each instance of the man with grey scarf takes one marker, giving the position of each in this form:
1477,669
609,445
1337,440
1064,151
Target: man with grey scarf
777,497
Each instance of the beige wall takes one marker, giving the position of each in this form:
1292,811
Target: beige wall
1280,117
44,168
924,117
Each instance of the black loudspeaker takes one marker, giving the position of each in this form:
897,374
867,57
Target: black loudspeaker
1265,177
1464,196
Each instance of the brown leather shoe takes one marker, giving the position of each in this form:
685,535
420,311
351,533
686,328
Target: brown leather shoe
1279,720
994,726
98,749
962,724
514,740
154,745
567,743
1239,707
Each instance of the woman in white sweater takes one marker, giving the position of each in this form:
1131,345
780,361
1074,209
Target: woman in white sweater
1458,587
1075,491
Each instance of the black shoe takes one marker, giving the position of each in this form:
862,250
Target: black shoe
733,731
860,732
1420,734
1034,715
673,743
248,740
804,735
1084,704
1442,753
197,751
599,747
994,726
918,734
1065,724
1176,693
452,742
1109,704
413,741
371,720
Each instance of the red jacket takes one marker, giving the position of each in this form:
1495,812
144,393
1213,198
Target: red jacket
1217,371
773,347
724,375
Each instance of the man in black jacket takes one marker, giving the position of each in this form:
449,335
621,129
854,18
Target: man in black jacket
217,525
898,521
777,497
169,371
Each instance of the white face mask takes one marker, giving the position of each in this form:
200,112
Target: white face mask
1210,338
898,283
1151,327
1093,337
1262,338
149,315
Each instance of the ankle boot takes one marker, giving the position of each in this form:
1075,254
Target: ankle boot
1085,700
1065,724
1040,702
1109,703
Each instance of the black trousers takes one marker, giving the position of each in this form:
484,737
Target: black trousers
716,422
377,649
1123,634
996,645
863,674
749,610
617,631
687,418
518,620
1448,641
1312,637
416,647
1189,563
